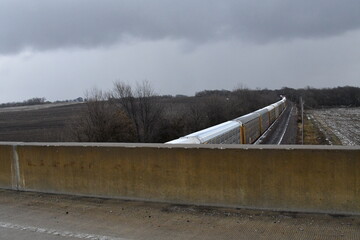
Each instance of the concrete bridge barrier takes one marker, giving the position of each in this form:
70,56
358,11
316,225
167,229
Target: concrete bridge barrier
6,166
290,178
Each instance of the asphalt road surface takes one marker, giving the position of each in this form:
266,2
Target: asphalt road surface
284,130
25,215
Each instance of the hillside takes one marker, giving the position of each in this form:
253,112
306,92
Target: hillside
39,123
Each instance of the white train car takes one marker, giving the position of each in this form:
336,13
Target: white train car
264,119
250,127
271,111
223,133
242,130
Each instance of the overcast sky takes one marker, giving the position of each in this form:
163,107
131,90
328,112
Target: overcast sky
57,49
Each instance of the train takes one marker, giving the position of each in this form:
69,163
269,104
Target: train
242,130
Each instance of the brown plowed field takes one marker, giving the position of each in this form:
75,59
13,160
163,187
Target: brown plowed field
43,123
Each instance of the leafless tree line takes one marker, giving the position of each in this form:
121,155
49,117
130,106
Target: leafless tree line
124,114
141,105
138,114
31,101
326,97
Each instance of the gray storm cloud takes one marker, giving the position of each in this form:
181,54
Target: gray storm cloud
52,24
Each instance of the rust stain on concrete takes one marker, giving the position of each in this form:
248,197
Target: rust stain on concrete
296,179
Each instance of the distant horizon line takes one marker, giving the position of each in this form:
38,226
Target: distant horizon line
77,99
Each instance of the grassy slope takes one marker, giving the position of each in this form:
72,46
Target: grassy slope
316,134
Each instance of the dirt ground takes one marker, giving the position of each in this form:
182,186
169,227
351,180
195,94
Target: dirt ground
39,123
36,107
339,125
46,216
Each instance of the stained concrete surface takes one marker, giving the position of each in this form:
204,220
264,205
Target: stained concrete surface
26,235
25,215
288,178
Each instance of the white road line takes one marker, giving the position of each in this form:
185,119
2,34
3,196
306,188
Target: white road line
56,232
286,126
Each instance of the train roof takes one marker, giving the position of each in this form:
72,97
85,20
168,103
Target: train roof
262,110
217,130
270,107
276,104
185,140
247,118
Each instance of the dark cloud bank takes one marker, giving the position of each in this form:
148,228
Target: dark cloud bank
51,24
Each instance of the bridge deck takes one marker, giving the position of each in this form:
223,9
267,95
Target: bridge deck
25,215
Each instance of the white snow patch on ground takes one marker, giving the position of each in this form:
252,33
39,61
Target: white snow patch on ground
343,122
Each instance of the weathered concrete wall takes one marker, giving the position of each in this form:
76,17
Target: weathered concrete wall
6,157
315,179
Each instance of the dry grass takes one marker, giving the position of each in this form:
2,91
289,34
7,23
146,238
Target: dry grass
314,134
340,125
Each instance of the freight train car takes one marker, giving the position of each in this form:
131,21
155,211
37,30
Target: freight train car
250,129
242,130
264,119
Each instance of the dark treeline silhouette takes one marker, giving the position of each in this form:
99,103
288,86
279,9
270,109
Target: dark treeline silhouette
325,97
37,101
102,121
31,101
137,114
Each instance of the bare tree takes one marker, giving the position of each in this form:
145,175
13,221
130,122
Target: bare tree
141,105
216,108
197,118
35,101
123,96
102,121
